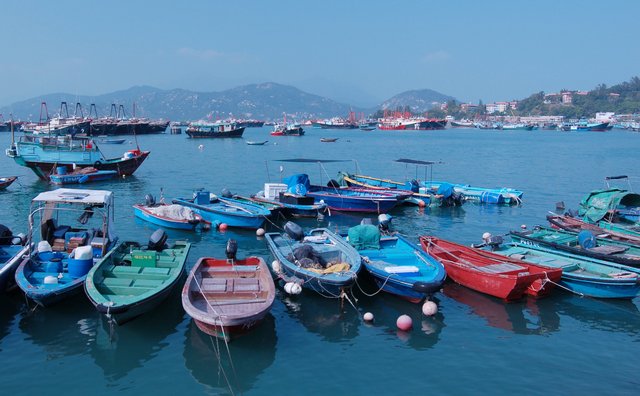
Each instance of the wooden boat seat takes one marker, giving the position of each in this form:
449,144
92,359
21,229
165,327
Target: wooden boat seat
502,268
124,269
246,285
152,283
155,270
213,285
609,249
117,282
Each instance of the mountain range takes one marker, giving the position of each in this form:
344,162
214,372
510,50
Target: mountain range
266,101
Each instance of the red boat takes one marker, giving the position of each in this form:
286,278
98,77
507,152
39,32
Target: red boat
491,273
228,297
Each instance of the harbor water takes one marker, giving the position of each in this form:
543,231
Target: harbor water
476,344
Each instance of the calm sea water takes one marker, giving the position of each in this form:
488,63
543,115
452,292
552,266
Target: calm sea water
563,344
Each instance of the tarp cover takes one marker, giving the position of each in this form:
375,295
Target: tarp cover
364,236
297,184
594,207
175,212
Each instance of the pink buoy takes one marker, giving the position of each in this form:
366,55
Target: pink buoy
222,227
429,308
368,317
421,203
404,322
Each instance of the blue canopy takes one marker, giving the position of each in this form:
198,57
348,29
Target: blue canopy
297,184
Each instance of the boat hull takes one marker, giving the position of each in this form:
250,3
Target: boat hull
215,214
142,213
12,256
82,178
200,134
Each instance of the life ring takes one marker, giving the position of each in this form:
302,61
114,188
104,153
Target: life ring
97,164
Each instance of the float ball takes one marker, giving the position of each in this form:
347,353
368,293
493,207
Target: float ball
486,236
260,232
421,204
429,308
368,317
276,266
222,227
292,288
404,322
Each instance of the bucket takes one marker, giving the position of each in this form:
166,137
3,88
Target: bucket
61,170
78,268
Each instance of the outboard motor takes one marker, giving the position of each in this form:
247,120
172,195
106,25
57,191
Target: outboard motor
5,235
294,231
415,186
333,183
149,200
366,221
493,241
226,193
231,249
157,240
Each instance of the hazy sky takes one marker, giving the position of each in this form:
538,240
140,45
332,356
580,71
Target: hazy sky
357,52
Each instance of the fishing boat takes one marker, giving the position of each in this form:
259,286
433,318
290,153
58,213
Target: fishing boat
112,141
132,279
462,124
80,175
321,261
366,126
228,297
12,250
287,130
610,204
218,210
214,130
7,181
254,143
397,266
412,187
613,231
167,215
580,274
347,199
289,203
584,243
497,196
56,267
491,273
43,153
517,127
328,140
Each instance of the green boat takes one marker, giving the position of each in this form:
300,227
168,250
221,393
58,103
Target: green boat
628,229
133,279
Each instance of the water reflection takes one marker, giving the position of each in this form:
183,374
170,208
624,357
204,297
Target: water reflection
528,316
117,350
207,359
10,306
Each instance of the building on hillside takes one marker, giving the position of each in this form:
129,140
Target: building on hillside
467,107
567,97
551,98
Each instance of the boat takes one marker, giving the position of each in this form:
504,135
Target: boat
613,231
584,243
397,266
218,210
497,196
367,127
517,127
43,153
328,140
287,130
417,198
580,274
610,204
167,215
12,250
228,297
112,141
462,124
80,175
341,199
7,181
273,207
255,143
289,203
132,279
214,130
491,273
251,123
321,261
56,267
336,123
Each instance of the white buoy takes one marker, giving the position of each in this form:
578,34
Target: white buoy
50,280
292,288
201,147
429,308
260,232
275,266
368,317
524,226
486,236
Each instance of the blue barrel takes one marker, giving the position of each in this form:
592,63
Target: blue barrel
586,239
61,170
79,268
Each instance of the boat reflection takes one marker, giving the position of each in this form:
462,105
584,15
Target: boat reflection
323,316
207,359
11,305
117,350
528,316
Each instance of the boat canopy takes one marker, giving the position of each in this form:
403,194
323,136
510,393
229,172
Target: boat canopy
310,160
76,196
417,162
595,206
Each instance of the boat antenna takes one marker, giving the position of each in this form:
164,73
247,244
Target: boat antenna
13,141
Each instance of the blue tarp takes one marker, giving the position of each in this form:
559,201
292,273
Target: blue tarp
297,184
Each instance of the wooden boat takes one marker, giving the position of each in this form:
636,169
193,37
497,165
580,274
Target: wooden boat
217,210
294,205
387,185
133,279
81,175
227,297
50,273
112,141
629,230
584,243
397,266
169,216
602,230
321,261
272,206
582,275
255,143
353,200
7,181
12,250
491,273
328,140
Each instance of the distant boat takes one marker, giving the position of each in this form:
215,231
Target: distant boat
7,181
517,127
228,297
214,130
365,126
133,279
328,140
254,143
287,130
112,141
462,124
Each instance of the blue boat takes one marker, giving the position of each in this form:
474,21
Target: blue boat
362,181
342,199
397,266
169,216
321,261
57,268
582,275
217,210
293,205
81,177
497,196
12,250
